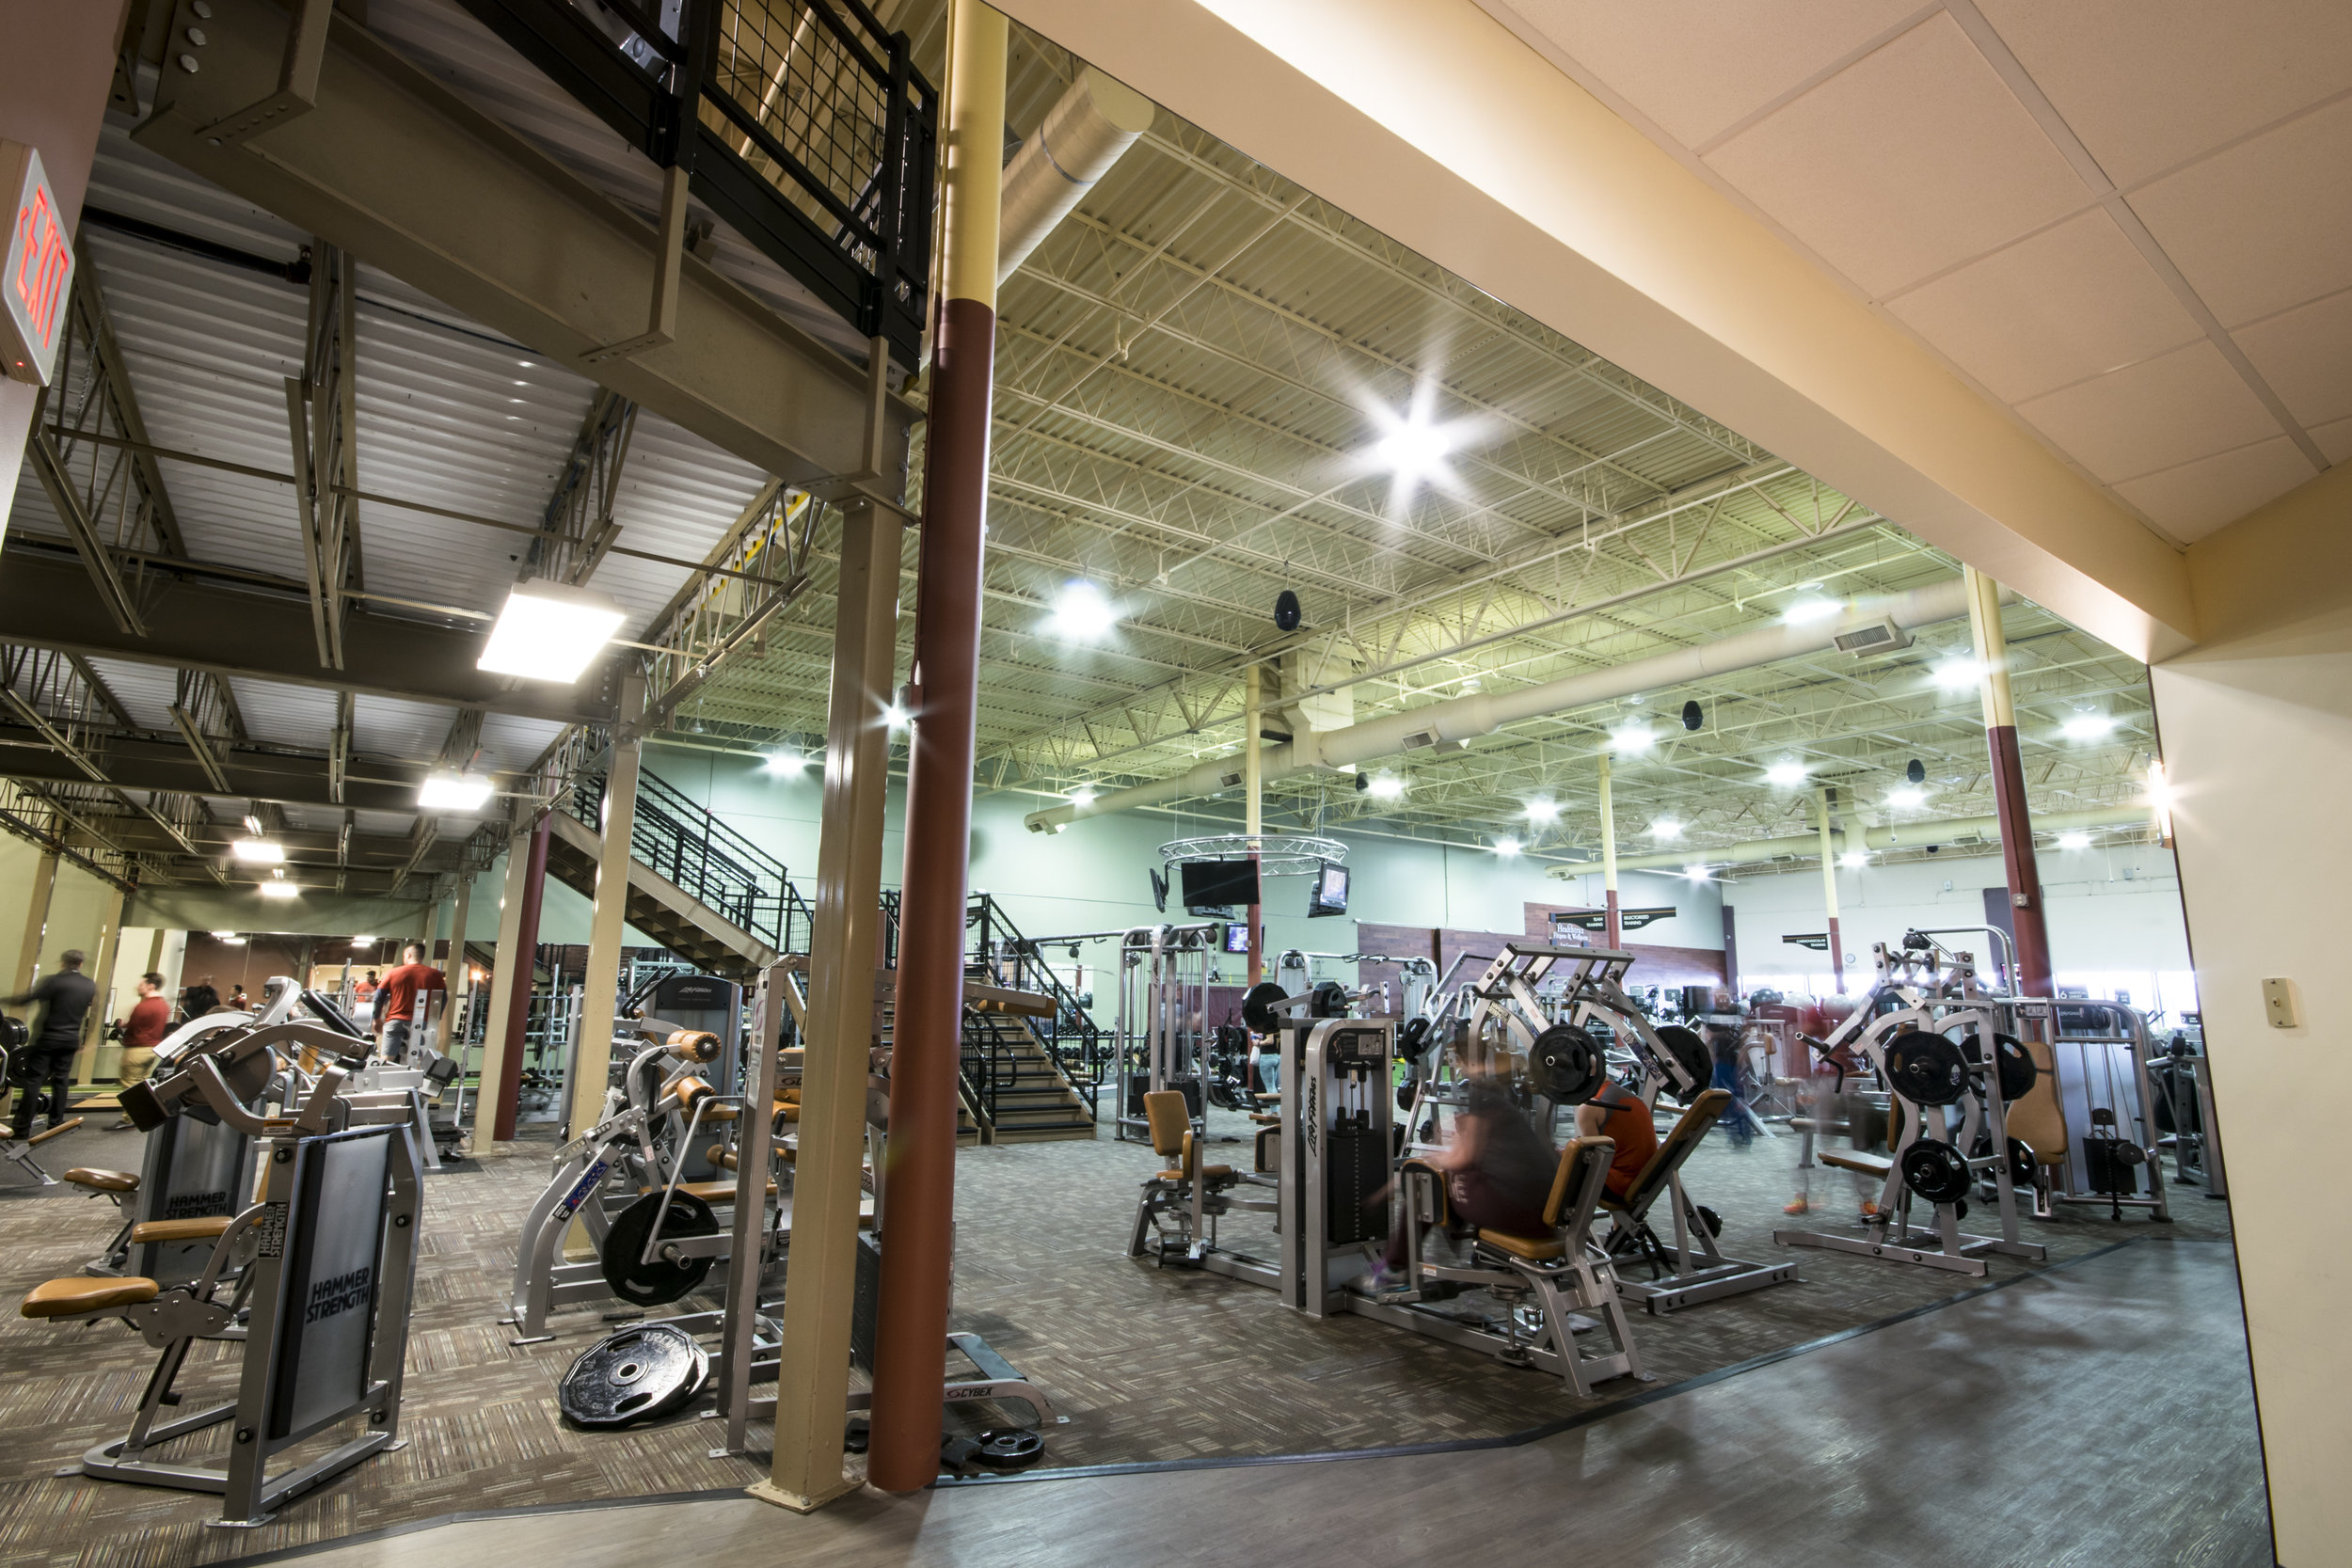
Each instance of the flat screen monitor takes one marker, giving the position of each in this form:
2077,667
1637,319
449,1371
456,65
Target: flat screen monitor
1237,937
1329,893
1212,882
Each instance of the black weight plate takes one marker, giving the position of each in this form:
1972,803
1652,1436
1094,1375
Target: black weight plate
2021,1163
1691,1056
1010,1448
1257,1006
1566,1065
2016,1068
638,1373
1925,1070
1331,1000
1935,1171
664,1279
1414,1038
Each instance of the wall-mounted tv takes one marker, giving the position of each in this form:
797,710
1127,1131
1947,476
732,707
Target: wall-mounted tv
1329,895
1217,884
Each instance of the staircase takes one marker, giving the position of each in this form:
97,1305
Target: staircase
695,885
1013,1080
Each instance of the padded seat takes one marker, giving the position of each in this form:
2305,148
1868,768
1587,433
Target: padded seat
102,1180
202,1227
710,1191
1868,1164
1208,1173
1533,1248
70,1298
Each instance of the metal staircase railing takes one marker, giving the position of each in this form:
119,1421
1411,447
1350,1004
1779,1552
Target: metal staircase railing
801,123
704,857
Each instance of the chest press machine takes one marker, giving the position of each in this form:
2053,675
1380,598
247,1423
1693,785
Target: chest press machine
323,1261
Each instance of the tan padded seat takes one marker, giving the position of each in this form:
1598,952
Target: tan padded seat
1208,1173
103,1180
1868,1164
70,1298
1534,1248
204,1227
710,1191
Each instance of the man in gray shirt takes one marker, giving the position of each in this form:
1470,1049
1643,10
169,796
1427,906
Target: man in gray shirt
44,1068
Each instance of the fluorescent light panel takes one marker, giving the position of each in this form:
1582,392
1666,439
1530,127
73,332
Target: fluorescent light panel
448,791
281,890
257,851
550,632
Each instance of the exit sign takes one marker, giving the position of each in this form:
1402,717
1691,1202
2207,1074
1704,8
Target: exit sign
39,270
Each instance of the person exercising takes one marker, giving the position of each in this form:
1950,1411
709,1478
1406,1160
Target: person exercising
46,1069
1498,1173
399,998
1617,1113
144,1030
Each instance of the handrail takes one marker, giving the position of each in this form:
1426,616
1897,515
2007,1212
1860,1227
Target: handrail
685,843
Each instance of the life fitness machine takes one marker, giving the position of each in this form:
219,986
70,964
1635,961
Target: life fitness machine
323,1264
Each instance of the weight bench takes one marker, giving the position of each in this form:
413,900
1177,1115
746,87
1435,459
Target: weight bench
1560,1266
21,1150
1694,1270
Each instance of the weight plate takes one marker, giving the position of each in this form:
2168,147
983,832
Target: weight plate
1414,1038
1257,1006
661,1280
1691,1056
1925,1070
2016,1068
2021,1163
1565,1065
1010,1448
637,1375
1331,1000
1935,1171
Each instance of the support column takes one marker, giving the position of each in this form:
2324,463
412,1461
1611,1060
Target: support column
502,960
1829,892
2009,787
910,1326
1612,935
516,962
101,973
1253,801
36,922
601,984
821,1284
453,1014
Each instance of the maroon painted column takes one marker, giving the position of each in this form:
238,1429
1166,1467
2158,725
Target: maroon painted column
2032,927
919,1160
510,1086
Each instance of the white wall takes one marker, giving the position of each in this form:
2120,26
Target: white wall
2114,915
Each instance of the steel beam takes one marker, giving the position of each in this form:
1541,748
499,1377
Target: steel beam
409,177
139,763
46,602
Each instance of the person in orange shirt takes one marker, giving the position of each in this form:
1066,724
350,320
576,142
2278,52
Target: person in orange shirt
399,998
1617,1113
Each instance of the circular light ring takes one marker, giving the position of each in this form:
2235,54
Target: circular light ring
1278,854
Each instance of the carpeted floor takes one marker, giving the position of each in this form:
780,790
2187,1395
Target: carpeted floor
1146,1364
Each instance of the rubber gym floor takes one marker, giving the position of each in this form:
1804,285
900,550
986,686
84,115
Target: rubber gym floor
1148,1364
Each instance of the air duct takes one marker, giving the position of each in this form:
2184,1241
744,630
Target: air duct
1080,139
1446,725
1902,835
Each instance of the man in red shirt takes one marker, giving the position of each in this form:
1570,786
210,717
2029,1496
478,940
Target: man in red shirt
149,1022
399,998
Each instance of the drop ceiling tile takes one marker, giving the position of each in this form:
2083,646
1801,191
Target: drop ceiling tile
2149,84
2306,355
2335,440
2157,415
1906,162
2266,225
2196,499
1698,67
2057,308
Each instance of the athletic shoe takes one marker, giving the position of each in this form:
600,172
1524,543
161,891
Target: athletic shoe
1797,1205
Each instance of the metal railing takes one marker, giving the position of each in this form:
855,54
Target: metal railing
704,857
802,123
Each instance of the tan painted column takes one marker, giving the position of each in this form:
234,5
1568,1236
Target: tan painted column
101,973
601,992
812,1381
1613,935
1253,801
502,976
1829,892
36,924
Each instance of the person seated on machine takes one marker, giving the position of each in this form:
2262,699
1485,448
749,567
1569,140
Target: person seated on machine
1498,1174
1617,1113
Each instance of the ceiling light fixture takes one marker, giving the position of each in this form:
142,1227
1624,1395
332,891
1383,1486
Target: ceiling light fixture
1785,775
1852,859
897,717
1386,786
1631,739
1806,611
253,824
1413,445
1696,873
1507,847
1907,797
1083,796
2073,841
786,764
1082,612
2088,726
257,851
281,890
1957,674
550,632
446,789
1542,811
363,941
1665,827
229,939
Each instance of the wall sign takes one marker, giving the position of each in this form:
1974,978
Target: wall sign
1563,920
39,270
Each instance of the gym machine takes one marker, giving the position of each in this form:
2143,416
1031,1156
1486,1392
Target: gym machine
324,1263
1935,1037
1164,972
15,1033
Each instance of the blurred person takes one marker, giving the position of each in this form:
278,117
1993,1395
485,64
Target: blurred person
1498,1172
1617,1113
45,1068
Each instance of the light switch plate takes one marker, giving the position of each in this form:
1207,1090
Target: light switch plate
2279,1001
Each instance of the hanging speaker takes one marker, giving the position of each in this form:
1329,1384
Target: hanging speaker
1692,717
1916,772
1286,612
